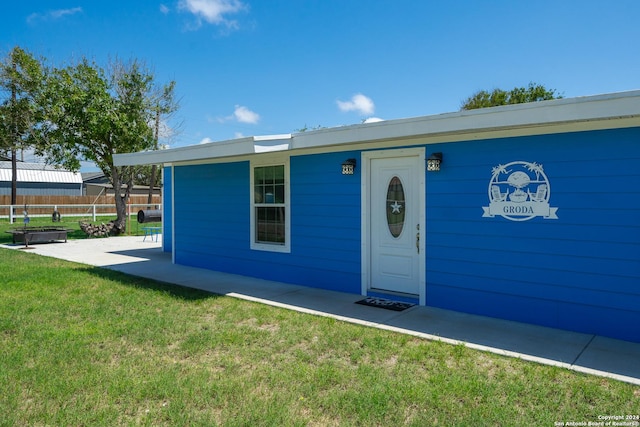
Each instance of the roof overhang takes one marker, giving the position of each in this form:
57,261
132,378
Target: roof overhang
610,111
230,148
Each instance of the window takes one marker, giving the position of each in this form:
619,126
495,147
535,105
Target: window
270,207
395,207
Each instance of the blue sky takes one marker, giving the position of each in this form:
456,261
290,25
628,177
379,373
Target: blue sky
258,67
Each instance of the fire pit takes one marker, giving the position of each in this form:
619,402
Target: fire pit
28,235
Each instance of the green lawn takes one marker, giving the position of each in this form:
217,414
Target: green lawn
72,223
84,346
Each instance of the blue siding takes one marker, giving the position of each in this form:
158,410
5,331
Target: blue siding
325,221
579,272
167,214
212,215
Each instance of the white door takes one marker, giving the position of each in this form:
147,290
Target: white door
395,212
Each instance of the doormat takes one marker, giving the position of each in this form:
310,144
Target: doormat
385,303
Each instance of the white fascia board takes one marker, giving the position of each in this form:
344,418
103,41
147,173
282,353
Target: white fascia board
271,143
580,112
200,151
537,118
229,148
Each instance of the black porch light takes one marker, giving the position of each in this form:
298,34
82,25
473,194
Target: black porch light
433,162
348,166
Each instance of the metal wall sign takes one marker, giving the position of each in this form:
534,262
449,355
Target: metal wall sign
519,191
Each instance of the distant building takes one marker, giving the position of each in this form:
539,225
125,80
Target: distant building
97,184
36,179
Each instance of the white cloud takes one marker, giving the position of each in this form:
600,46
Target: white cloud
244,115
241,114
359,103
164,9
213,11
53,14
62,12
373,120
205,140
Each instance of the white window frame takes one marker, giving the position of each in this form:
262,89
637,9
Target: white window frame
271,247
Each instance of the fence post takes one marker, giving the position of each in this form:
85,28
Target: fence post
94,213
11,214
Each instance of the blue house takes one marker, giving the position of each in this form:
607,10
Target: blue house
527,212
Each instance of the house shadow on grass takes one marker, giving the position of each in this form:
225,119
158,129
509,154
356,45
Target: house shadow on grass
175,291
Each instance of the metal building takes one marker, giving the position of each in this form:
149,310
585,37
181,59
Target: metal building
36,179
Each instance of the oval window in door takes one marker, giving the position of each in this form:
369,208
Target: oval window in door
395,206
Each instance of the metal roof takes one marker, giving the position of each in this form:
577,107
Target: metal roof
37,172
608,111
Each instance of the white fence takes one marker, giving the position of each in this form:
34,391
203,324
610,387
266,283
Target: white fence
17,212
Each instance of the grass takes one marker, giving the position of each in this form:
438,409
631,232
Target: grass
86,346
71,223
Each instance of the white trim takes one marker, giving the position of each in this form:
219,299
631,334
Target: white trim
228,148
575,114
163,200
278,160
610,111
365,231
426,140
365,226
173,215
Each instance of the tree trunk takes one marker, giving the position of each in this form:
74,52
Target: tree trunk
121,209
152,179
14,160
152,184
121,201
14,177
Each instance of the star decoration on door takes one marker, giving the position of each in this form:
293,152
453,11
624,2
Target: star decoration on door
395,207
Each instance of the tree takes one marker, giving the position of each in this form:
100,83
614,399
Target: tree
307,128
164,105
518,95
92,114
21,77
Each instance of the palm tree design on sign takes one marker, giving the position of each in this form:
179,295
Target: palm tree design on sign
497,170
535,168
519,191
496,194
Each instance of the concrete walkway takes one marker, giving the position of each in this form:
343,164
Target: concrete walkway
585,353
